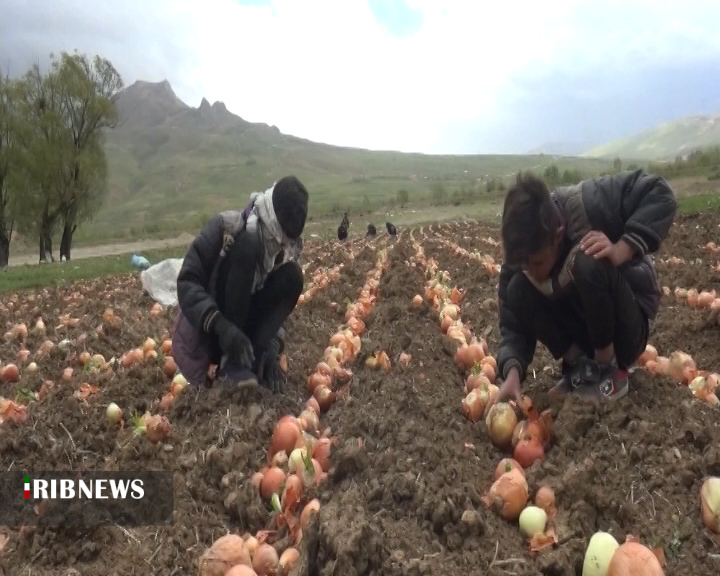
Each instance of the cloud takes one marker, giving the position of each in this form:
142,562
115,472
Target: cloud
415,75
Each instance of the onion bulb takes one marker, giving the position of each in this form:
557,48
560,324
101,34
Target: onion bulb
272,482
501,421
710,504
296,460
532,521
285,435
528,451
508,495
506,465
10,373
633,559
599,553
241,570
682,367
114,413
472,406
226,552
265,561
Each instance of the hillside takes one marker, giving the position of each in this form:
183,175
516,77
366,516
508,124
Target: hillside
665,142
171,165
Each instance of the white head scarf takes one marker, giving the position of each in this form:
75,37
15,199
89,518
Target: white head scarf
263,217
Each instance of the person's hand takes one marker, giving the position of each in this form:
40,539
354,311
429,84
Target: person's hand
269,372
509,390
235,344
598,245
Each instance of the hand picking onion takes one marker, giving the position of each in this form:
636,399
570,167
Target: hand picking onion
634,559
532,521
599,553
501,421
508,495
226,552
710,504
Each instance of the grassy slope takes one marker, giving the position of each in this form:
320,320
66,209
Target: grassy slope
171,166
664,142
34,276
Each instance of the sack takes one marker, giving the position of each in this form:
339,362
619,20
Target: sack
160,281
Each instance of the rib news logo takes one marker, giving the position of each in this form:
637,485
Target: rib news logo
69,489
86,498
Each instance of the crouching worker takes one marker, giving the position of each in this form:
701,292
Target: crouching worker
238,283
577,277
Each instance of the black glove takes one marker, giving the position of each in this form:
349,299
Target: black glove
269,372
233,342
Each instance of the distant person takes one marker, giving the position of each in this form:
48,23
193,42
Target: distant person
371,231
391,229
343,228
577,277
239,282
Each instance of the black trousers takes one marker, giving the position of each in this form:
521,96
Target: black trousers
599,310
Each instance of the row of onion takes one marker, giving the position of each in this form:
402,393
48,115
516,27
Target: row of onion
681,369
299,453
488,262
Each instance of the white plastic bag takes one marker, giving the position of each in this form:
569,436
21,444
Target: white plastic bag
160,281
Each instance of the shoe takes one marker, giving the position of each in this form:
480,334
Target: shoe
570,381
233,377
610,383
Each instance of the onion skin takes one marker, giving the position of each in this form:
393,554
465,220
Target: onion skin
545,499
633,559
289,559
321,453
710,504
312,507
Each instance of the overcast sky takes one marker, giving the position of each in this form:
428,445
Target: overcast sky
437,76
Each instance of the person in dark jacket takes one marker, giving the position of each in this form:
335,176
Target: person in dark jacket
371,231
343,228
391,229
577,276
239,281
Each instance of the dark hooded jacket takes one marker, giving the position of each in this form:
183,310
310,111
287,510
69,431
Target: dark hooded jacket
634,206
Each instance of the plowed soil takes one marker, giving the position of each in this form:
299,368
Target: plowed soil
408,471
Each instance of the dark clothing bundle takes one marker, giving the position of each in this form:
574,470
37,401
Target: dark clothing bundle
391,229
589,302
237,275
371,230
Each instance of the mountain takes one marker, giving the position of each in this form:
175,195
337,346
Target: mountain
172,165
561,148
665,142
